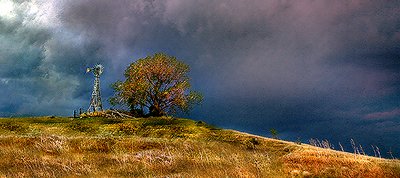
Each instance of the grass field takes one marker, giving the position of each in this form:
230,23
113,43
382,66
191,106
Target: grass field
165,147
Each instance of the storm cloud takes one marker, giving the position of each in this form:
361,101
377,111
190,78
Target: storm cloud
309,69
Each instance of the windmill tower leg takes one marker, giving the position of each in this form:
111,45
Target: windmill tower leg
95,101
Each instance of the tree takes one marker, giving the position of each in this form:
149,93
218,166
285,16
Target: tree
158,85
274,133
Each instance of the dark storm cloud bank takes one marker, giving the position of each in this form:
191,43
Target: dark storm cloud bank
41,64
318,69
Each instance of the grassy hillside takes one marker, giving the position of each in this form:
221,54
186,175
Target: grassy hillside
160,147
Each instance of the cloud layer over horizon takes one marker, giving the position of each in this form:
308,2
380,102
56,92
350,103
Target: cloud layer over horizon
309,69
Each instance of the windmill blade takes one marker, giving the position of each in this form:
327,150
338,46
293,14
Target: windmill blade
99,69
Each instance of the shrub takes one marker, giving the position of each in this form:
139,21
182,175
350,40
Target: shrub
252,142
12,126
81,127
127,128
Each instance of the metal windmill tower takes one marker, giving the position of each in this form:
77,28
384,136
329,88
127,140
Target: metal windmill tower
95,101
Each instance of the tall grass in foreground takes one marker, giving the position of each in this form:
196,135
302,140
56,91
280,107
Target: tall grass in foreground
357,148
58,156
165,147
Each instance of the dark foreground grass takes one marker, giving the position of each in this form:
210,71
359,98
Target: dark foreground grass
165,147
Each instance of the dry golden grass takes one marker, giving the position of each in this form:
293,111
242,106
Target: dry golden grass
165,147
58,156
331,163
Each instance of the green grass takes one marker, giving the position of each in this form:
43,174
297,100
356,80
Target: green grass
165,147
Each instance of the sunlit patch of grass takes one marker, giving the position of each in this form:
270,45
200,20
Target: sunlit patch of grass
165,147
135,156
330,163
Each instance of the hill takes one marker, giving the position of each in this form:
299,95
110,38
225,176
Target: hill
165,147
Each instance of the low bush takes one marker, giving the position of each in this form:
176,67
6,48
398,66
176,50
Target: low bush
81,127
127,128
12,126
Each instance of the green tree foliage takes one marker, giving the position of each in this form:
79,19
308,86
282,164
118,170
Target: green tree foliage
156,84
274,133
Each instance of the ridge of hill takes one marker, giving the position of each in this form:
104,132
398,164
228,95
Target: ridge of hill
165,147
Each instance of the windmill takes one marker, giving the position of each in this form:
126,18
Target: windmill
95,101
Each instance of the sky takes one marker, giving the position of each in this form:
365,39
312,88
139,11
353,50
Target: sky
309,69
